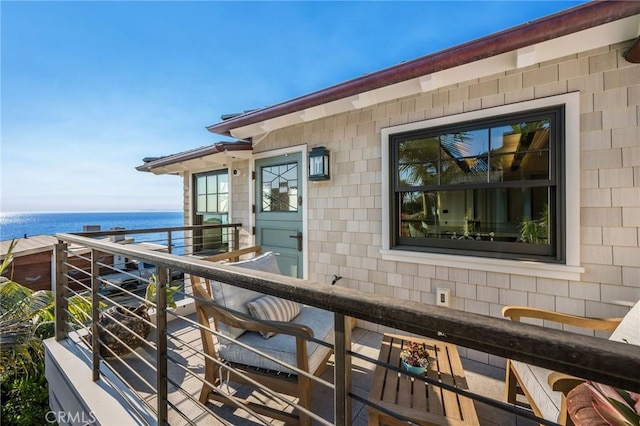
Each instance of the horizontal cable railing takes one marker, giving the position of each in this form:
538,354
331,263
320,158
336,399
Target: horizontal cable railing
123,369
205,239
579,355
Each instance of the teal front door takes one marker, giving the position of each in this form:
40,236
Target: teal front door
279,210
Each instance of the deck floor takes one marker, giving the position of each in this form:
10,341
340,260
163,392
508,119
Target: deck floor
483,379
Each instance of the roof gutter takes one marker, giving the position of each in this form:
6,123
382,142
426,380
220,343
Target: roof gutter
216,148
582,17
633,54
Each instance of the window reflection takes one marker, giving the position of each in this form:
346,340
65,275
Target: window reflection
475,214
519,151
483,182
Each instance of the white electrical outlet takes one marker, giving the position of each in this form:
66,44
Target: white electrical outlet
443,297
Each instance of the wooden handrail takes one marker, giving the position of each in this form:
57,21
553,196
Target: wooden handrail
589,357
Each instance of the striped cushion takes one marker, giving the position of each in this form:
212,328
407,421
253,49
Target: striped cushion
236,298
271,308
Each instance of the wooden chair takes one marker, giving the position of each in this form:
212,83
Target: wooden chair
308,356
546,390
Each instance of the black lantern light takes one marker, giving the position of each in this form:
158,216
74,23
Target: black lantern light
319,163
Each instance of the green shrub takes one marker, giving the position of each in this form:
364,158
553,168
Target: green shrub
25,400
26,317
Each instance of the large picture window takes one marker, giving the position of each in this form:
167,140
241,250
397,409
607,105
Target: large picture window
211,207
489,187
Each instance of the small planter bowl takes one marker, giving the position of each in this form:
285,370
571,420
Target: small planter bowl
415,370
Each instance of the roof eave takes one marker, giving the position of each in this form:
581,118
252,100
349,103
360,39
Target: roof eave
217,148
563,23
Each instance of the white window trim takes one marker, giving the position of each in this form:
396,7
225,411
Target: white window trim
571,269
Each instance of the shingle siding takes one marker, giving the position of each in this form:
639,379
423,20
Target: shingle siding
345,214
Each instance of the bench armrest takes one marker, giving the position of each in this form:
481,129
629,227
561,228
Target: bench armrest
561,382
518,312
222,315
207,309
234,256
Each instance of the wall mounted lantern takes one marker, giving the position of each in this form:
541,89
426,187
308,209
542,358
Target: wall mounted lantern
319,163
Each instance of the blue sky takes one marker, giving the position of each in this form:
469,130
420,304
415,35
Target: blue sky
90,88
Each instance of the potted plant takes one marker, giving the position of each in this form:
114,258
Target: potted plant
115,324
135,318
415,358
151,294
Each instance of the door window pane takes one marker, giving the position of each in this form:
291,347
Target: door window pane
201,185
202,203
212,202
212,189
280,188
223,203
223,184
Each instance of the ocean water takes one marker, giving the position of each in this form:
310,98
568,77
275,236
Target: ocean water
17,225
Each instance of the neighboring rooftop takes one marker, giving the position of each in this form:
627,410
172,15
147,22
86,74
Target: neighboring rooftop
41,243
28,245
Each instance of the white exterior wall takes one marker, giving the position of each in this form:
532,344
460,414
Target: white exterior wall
345,214
241,187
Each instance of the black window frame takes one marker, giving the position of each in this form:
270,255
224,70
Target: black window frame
555,252
210,241
207,193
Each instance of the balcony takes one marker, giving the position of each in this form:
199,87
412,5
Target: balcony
159,382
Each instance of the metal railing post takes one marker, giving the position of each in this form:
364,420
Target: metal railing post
95,315
236,238
169,242
161,344
60,253
342,371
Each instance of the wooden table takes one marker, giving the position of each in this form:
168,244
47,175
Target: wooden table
423,403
